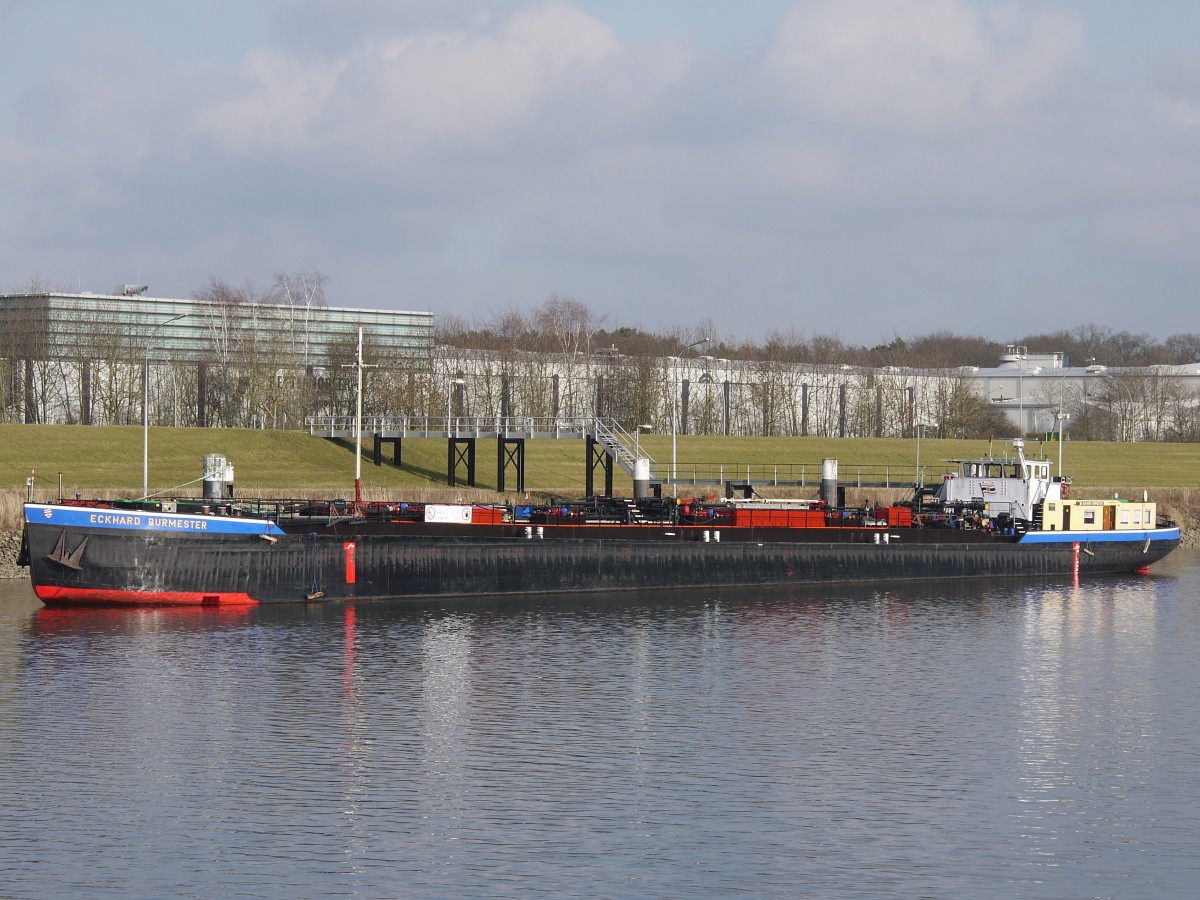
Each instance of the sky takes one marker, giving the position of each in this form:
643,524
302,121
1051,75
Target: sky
868,169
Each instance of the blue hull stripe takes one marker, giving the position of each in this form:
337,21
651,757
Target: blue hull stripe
136,520
1099,537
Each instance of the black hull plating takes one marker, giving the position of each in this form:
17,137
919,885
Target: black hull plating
160,567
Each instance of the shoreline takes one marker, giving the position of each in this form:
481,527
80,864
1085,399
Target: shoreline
10,548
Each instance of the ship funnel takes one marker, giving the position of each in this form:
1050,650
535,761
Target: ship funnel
218,478
641,478
829,482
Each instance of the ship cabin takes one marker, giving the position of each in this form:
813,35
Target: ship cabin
1001,488
1116,514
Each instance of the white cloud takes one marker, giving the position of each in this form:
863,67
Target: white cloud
889,152
281,97
1178,111
472,84
918,63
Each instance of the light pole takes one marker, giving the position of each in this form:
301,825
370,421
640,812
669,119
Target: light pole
918,426
146,404
673,425
1062,418
919,480
1021,400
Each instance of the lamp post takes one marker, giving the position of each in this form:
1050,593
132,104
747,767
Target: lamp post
703,340
919,480
918,421
146,404
1021,400
1062,417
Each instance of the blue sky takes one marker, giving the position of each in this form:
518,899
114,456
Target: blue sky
864,168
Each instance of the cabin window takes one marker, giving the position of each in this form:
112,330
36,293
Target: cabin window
1053,506
1125,517
1089,517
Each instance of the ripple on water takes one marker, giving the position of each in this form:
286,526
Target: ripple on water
987,740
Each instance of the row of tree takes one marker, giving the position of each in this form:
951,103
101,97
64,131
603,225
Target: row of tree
257,369
1133,401
564,325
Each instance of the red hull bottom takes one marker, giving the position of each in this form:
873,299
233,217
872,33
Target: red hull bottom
65,596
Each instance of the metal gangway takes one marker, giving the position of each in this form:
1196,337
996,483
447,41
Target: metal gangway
531,427
608,442
609,445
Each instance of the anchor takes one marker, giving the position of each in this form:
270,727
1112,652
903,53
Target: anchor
72,560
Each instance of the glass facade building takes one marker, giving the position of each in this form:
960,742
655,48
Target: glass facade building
86,358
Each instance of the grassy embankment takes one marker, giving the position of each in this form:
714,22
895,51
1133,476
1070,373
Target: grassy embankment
107,462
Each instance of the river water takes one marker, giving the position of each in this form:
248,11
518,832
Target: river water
935,740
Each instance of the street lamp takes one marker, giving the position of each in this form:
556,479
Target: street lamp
920,480
1021,400
146,404
673,425
1062,418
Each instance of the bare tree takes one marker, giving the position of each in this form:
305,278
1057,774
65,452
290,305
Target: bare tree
223,319
570,325
299,294
1183,349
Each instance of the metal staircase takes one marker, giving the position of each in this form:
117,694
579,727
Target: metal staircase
619,444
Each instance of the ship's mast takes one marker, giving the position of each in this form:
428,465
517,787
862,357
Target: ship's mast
358,424
358,364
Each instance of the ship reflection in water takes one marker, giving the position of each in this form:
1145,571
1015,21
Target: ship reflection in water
50,621
940,739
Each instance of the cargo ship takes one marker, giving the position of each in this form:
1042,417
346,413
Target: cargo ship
990,517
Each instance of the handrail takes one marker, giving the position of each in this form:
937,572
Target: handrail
617,441
452,426
619,444
789,474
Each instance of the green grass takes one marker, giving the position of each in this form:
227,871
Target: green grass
109,460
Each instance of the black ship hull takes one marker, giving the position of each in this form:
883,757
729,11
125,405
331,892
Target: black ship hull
105,565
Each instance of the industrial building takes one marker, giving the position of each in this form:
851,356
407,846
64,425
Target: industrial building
126,358
87,358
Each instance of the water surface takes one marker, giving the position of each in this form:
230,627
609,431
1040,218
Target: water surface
943,740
